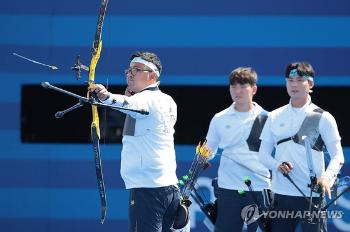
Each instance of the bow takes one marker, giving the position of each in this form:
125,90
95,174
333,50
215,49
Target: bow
95,128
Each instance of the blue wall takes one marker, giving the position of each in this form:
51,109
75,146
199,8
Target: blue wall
52,187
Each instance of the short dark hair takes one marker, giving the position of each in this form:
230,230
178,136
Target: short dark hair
303,69
150,57
243,75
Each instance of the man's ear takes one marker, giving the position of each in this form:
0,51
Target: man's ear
311,84
255,89
153,76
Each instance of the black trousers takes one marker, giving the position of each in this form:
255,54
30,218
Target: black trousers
297,207
153,209
230,206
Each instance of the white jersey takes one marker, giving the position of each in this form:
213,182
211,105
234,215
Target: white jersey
148,155
285,122
229,130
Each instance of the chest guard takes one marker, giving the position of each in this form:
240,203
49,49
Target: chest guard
130,122
253,140
309,128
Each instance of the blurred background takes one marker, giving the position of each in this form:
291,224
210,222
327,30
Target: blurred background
47,175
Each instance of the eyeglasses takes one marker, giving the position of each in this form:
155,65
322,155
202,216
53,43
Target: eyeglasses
135,70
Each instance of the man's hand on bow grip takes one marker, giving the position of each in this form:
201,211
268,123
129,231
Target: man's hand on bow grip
101,92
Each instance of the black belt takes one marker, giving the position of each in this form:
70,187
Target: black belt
294,138
318,146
